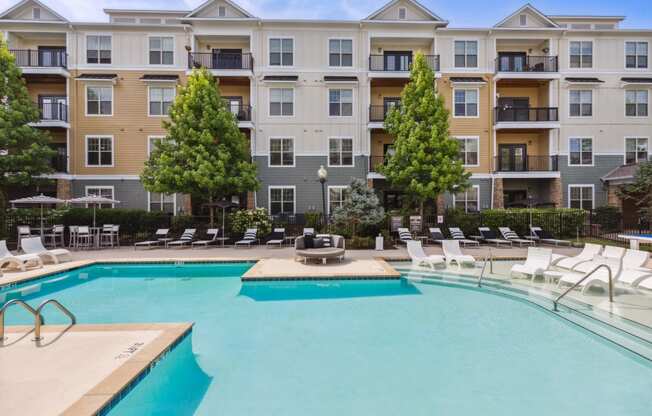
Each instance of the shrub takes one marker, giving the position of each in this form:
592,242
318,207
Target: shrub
313,220
254,218
361,243
608,217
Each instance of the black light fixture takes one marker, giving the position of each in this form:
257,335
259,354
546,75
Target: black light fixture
322,173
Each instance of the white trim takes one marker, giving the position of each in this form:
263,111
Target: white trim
174,50
466,200
328,54
477,139
98,64
413,2
269,152
111,187
228,2
328,102
149,202
477,55
568,155
647,42
38,3
477,91
99,102
99,136
161,87
328,194
625,90
149,143
269,52
269,103
581,185
328,151
580,68
581,117
269,198
533,10
647,138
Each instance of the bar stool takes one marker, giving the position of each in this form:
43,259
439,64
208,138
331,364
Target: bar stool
72,238
106,236
55,234
24,231
84,238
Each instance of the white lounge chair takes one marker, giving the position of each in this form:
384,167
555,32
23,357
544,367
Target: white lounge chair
212,233
20,261
185,240
419,257
545,237
457,234
404,235
634,271
609,252
510,235
588,253
277,238
599,278
490,236
453,254
436,236
160,238
645,284
34,245
538,261
250,238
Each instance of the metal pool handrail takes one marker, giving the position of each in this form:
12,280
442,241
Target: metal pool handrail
595,269
34,312
39,322
484,266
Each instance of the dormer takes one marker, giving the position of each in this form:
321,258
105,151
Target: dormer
145,17
32,10
588,22
404,11
527,17
219,9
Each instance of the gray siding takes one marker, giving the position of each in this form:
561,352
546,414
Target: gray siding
304,177
576,175
130,193
485,194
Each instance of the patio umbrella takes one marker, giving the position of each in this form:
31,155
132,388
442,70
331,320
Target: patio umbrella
38,200
93,200
224,204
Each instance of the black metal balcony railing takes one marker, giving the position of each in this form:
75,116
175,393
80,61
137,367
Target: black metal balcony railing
378,113
40,58
387,63
511,63
220,60
526,164
242,112
530,114
60,163
53,111
375,162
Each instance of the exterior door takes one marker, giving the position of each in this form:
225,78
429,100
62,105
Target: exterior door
515,199
512,61
514,109
512,157
53,108
389,103
227,58
50,56
397,60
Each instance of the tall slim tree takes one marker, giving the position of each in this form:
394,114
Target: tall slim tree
640,191
205,153
426,159
24,150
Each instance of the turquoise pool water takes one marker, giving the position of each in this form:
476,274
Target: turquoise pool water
348,347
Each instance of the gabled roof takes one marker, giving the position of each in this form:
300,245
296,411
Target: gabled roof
23,3
412,2
528,7
209,2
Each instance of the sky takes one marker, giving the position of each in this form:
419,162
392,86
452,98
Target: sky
473,13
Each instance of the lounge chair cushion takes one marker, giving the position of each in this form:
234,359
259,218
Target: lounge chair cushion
489,234
544,234
318,243
308,241
437,236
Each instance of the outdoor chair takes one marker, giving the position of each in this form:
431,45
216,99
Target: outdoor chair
404,235
55,236
588,253
160,238
24,231
420,258
20,261
436,236
34,245
107,235
212,234
453,254
510,235
276,238
84,238
185,240
490,236
538,261
545,237
250,238
457,234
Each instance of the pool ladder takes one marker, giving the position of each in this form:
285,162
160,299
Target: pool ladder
489,259
36,313
579,282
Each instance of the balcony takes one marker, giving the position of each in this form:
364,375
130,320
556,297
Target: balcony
526,118
34,61
378,113
522,66
222,62
53,115
59,163
375,162
526,164
399,64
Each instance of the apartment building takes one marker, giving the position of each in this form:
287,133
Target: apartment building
549,110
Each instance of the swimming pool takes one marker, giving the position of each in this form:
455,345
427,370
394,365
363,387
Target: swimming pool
350,347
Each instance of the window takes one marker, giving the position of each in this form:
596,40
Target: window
340,103
636,103
468,201
281,102
99,101
522,19
580,196
580,151
581,54
281,152
340,52
153,141
336,197
36,13
466,103
466,53
161,202
161,50
402,13
469,150
221,11
98,49
281,200
636,150
340,152
636,55
99,151
581,103
281,51
103,191
160,100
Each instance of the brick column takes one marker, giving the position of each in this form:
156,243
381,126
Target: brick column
498,193
612,197
556,193
441,205
370,183
186,204
64,189
251,201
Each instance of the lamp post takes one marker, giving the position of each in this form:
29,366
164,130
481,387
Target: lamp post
323,176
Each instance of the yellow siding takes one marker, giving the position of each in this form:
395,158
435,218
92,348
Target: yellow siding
537,142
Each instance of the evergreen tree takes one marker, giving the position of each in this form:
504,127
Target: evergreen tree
361,207
204,153
24,150
640,191
426,159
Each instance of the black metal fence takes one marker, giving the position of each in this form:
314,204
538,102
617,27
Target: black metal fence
526,115
526,164
53,111
40,58
217,60
522,63
399,63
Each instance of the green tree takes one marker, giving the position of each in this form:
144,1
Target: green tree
25,150
361,207
204,153
426,159
640,191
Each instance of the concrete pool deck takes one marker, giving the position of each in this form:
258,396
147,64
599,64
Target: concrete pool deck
279,269
77,370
